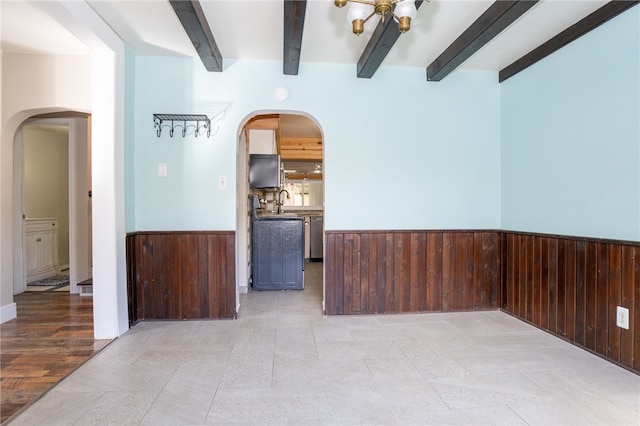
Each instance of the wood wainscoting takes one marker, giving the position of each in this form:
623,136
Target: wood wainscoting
369,272
181,275
568,286
572,286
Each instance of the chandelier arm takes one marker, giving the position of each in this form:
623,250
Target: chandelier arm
368,17
367,2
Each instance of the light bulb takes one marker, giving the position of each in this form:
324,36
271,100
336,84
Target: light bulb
406,8
357,11
356,16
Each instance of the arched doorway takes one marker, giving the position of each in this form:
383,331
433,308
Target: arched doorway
297,139
76,212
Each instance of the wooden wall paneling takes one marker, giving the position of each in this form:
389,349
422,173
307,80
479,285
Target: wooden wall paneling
189,273
354,274
447,275
339,275
491,271
479,271
571,298
509,255
394,268
514,253
459,258
543,284
602,297
521,276
419,272
635,319
372,273
381,271
152,277
531,256
494,278
214,253
171,291
506,281
131,282
203,294
364,272
581,295
591,287
535,304
390,301
434,278
467,293
454,271
576,291
340,284
412,272
626,298
330,263
177,274
347,273
222,270
612,342
552,286
404,275
561,284
230,276
220,276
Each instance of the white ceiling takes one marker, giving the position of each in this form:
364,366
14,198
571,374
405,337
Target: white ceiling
253,29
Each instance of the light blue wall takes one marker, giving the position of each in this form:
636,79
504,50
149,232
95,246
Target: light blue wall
571,137
129,144
400,153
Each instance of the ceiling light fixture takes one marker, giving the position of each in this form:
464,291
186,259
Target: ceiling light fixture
358,15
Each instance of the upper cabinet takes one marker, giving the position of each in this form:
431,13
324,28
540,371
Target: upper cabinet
295,137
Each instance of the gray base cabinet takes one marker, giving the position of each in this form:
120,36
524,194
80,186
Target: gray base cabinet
278,254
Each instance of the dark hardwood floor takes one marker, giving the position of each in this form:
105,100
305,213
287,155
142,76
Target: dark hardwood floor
51,337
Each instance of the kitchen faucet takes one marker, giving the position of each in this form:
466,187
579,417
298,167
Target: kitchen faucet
280,198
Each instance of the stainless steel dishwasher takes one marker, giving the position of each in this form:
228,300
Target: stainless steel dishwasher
315,237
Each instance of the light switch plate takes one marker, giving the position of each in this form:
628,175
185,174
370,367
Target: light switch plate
162,169
222,182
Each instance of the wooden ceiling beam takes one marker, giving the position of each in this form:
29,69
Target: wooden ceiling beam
194,22
577,30
294,12
492,22
382,40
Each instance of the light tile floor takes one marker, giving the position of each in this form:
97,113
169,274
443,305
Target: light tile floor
281,362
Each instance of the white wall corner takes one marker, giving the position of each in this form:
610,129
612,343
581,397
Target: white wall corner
8,312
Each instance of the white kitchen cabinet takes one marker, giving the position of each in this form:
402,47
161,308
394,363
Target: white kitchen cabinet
41,248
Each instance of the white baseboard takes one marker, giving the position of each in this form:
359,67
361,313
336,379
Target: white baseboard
8,312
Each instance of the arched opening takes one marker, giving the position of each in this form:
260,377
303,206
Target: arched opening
52,184
296,141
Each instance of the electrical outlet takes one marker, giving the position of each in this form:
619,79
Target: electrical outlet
222,182
622,317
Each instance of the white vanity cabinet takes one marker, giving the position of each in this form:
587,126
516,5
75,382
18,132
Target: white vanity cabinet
41,248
